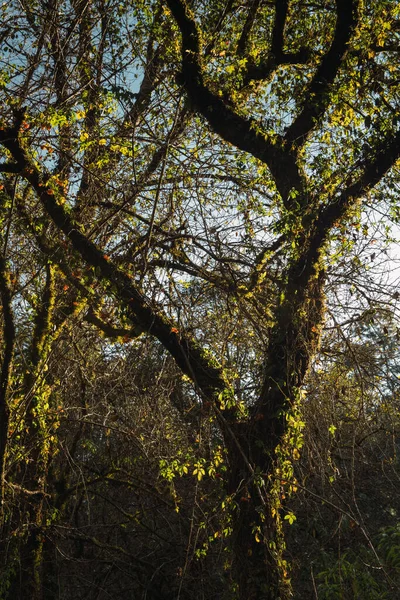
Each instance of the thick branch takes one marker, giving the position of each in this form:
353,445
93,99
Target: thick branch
42,322
9,338
251,15
266,68
374,169
277,56
295,335
109,330
245,134
203,371
9,168
281,9
318,97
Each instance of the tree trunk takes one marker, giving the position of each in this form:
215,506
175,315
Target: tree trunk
27,580
259,571
258,565
261,449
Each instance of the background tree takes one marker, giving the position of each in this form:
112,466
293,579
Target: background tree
201,176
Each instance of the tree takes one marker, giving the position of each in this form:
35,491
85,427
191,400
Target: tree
194,174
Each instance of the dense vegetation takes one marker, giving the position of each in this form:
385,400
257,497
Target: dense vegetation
200,384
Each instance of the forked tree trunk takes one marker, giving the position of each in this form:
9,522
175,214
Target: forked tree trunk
261,445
